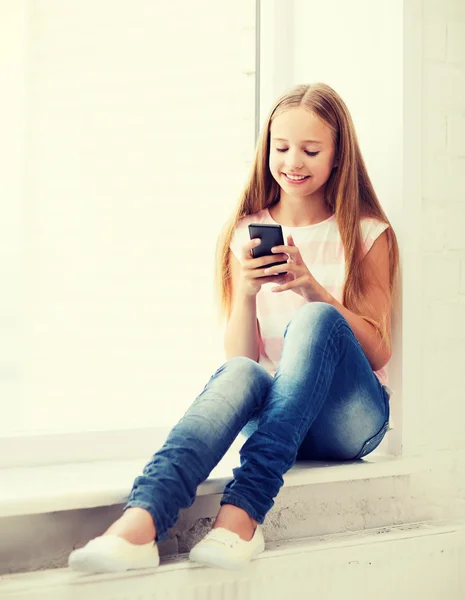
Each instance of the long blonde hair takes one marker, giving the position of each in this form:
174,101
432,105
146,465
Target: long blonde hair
349,195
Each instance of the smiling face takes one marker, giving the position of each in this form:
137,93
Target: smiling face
301,152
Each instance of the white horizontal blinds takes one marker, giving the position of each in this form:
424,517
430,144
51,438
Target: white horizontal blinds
140,137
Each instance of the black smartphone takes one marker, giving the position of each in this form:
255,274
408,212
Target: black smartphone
271,236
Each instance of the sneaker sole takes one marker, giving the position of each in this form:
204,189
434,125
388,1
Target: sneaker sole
96,563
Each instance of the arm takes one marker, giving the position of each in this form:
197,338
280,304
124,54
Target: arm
247,277
241,337
375,266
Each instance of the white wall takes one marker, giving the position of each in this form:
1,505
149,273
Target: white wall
376,40
442,222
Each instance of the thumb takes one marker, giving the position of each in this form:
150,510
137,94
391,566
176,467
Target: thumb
297,259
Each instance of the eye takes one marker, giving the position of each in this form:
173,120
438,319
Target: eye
307,152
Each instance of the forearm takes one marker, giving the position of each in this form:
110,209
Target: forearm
367,335
241,336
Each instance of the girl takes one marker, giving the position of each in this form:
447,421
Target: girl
307,343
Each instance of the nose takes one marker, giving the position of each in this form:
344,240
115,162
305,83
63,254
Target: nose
293,160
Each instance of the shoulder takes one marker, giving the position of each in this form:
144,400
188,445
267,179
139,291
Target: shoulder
262,216
371,229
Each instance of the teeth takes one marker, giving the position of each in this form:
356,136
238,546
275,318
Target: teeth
296,177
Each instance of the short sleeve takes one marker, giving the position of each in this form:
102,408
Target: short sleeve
236,243
371,230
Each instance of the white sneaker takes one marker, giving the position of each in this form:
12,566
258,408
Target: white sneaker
111,553
224,549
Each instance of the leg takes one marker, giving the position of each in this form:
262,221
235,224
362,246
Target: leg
354,418
169,481
199,441
319,344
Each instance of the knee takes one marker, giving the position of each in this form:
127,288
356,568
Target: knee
243,372
315,317
241,366
318,311
236,384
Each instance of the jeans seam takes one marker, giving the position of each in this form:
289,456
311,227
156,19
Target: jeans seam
385,395
382,430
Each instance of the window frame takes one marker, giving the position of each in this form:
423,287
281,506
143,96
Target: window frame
273,75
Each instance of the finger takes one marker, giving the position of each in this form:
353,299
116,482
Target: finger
279,249
263,261
288,267
293,252
260,274
279,279
295,283
267,260
290,250
284,279
247,248
290,240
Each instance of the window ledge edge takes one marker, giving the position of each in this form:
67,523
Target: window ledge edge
78,486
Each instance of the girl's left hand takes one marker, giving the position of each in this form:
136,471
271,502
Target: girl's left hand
298,278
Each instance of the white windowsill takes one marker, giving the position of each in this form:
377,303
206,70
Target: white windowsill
43,489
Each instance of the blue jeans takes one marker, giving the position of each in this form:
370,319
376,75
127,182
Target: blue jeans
324,403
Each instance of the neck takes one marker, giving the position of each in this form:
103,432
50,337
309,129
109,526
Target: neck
299,212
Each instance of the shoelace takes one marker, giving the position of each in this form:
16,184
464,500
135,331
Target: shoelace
222,538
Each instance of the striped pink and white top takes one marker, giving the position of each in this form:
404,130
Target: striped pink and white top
322,251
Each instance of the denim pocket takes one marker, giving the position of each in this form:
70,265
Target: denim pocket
373,442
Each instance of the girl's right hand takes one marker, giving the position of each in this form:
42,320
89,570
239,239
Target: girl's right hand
252,269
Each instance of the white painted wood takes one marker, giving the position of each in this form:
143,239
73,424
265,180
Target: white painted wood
407,562
409,375
277,48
